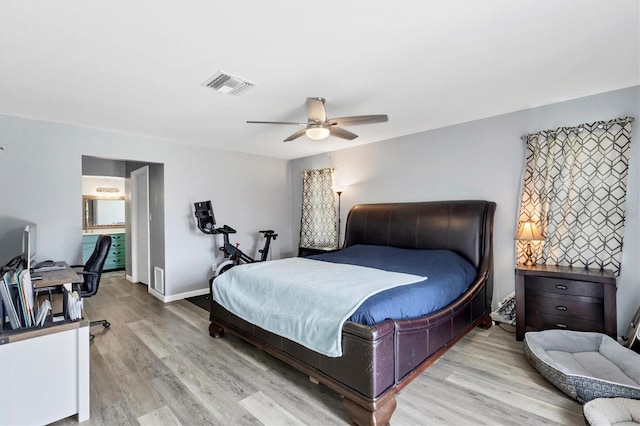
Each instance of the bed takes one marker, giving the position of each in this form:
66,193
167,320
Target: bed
378,360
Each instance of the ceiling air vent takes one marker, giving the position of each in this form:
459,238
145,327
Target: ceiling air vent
227,83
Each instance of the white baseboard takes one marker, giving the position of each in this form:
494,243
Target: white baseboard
128,277
157,295
179,296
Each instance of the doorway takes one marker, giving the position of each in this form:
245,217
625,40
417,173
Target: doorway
152,220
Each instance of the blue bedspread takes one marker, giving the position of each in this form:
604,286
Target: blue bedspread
448,276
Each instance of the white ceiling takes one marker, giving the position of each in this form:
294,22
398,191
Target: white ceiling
137,66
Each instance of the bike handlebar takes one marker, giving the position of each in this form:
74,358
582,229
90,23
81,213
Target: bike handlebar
269,233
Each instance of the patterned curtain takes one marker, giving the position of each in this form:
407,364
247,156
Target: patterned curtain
574,189
319,217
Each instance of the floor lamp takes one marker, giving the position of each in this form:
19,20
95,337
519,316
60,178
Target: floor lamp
339,199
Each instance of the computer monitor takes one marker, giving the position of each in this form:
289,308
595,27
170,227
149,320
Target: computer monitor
204,216
29,245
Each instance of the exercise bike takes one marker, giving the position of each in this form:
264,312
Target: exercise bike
233,255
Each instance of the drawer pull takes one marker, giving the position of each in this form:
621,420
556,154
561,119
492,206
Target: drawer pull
561,308
561,325
561,287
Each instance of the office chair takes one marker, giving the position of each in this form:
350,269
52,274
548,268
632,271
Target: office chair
91,273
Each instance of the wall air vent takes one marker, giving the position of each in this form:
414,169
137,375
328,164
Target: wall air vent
227,83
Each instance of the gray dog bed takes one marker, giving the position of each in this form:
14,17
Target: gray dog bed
612,411
584,365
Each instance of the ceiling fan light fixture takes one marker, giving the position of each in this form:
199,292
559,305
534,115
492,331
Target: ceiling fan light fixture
317,133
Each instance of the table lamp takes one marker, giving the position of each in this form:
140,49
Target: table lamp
529,232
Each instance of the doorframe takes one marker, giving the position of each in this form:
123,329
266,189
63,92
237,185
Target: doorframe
142,172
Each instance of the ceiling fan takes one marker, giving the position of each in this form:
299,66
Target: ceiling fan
318,126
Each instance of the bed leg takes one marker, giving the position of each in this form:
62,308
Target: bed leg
215,331
486,322
364,417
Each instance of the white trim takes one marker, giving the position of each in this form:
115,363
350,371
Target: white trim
156,294
179,296
141,173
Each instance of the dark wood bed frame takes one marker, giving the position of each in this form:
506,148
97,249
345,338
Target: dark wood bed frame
378,361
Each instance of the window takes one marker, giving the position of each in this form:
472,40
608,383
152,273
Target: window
318,226
574,189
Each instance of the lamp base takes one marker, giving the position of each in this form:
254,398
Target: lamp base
529,253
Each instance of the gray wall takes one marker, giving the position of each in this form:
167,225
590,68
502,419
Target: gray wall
11,236
40,175
92,166
481,160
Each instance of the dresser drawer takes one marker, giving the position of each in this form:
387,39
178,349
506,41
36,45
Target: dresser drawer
117,244
544,321
117,238
113,264
116,253
560,286
579,307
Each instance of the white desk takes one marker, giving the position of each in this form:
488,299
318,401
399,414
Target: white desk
45,375
44,372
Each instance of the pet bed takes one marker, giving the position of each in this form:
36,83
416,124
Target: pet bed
612,411
584,365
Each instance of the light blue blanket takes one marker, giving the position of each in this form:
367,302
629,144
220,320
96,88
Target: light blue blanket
304,300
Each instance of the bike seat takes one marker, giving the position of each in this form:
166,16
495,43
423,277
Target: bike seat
226,230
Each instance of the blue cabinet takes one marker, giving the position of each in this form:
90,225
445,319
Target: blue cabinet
116,257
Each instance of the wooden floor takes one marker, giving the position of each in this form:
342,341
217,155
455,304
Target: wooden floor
157,365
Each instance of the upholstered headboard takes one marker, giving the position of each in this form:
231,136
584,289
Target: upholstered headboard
462,226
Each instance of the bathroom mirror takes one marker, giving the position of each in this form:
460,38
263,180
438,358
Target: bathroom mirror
100,212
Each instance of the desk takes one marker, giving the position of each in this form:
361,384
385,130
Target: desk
45,374
44,371
61,278
66,276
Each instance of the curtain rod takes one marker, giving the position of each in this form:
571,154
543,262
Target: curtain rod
599,123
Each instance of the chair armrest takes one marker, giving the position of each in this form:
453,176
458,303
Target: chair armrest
78,286
84,273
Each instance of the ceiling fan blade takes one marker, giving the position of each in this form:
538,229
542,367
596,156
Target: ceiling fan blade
315,110
359,119
276,122
342,133
296,135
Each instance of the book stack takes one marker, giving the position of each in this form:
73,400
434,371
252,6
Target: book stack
18,300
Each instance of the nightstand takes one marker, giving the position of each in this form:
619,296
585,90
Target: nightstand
563,297
310,251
